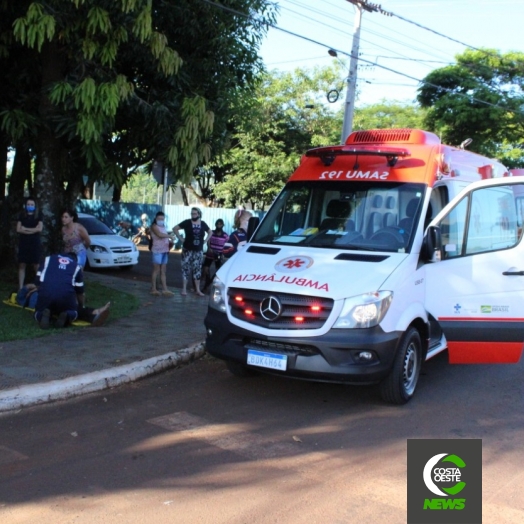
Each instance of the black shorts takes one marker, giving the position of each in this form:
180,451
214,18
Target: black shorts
212,257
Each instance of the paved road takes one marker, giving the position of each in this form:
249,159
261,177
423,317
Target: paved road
197,445
142,271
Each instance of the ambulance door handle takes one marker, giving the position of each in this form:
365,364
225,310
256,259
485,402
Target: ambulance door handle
513,271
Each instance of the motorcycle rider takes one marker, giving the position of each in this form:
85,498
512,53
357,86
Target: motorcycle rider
143,230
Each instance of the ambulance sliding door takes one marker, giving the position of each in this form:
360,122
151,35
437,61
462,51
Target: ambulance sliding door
477,290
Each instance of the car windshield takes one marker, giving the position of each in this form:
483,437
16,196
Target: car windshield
94,226
351,215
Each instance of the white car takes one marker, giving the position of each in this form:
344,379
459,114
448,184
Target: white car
107,249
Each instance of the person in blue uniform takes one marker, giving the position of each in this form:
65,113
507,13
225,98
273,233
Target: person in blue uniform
60,283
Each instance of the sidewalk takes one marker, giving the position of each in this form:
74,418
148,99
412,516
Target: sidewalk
162,333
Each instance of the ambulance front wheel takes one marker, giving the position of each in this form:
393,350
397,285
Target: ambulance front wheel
399,386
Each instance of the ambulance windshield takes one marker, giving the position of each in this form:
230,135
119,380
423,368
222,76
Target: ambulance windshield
344,215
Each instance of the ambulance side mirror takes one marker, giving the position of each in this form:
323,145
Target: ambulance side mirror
432,245
252,225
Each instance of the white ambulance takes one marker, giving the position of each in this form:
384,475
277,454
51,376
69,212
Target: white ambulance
377,255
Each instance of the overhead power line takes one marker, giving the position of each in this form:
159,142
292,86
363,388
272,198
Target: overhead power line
437,33
349,55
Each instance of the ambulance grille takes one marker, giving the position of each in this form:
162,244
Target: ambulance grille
280,347
282,310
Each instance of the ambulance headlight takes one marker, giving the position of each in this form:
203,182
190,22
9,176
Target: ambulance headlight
364,311
217,296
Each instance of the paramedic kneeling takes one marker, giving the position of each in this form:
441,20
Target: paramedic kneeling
60,283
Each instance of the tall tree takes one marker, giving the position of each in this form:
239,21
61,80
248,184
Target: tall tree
480,97
388,114
288,114
114,84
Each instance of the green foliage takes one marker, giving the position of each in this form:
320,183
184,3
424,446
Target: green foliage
140,188
98,87
98,20
142,25
387,115
196,127
480,97
36,27
288,115
16,122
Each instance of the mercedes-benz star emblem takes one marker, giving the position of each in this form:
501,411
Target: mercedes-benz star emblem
270,308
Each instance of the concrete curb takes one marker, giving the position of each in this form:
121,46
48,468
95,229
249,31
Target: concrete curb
35,394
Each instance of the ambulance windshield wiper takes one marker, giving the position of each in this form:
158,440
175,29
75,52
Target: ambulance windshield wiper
348,247
358,247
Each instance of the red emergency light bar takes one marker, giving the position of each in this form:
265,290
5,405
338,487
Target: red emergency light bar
328,154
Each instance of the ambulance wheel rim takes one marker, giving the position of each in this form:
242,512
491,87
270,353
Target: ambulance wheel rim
410,369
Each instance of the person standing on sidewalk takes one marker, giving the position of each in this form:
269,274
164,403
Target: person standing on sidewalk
196,232
215,246
75,236
238,238
29,227
160,251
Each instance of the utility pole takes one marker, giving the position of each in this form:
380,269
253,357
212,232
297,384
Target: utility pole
351,90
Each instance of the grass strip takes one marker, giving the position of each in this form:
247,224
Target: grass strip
18,324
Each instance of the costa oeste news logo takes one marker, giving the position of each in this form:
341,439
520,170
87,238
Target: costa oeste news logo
444,481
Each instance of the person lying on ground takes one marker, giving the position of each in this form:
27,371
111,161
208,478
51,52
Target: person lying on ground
28,295
61,293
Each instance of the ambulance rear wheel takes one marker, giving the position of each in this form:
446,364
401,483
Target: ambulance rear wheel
399,386
239,370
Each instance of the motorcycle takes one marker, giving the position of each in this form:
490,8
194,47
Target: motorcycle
125,229
142,235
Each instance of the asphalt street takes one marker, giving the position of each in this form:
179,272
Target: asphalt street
198,445
142,271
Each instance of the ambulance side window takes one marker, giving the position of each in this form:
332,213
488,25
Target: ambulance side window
493,220
452,230
293,214
486,220
520,212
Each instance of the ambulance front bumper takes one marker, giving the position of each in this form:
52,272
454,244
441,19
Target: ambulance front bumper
352,356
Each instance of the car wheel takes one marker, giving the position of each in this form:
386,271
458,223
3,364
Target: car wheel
399,386
240,370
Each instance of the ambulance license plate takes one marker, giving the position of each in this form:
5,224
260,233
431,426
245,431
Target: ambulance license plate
266,360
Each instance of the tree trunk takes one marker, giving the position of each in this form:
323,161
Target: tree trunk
51,158
117,194
5,244
4,145
184,195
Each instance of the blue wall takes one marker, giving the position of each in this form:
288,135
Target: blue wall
112,213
